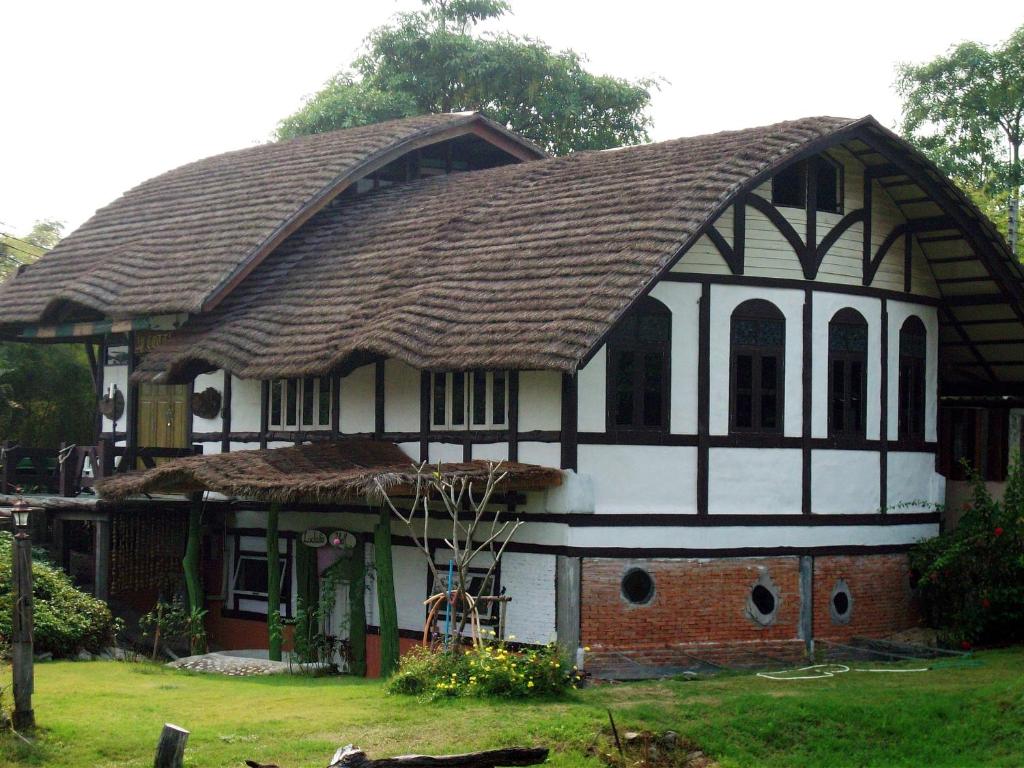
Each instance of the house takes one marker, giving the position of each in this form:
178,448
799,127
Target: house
753,359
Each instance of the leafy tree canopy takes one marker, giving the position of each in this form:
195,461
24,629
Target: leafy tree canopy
434,60
965,109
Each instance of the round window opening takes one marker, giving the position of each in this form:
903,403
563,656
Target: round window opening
841,602
763,599
638,586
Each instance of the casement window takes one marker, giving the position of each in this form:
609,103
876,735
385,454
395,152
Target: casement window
847,374
489,610
913,356
301,403
639,369
977,437
469,400
790,185
247,585
756,368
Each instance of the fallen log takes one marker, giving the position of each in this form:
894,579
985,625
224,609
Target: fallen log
353,757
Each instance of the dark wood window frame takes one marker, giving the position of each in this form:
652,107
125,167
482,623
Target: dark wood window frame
759,311
627,339
803,169
913,385
847,375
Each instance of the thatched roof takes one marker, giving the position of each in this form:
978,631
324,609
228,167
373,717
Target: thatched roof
522,266
318,472
177,242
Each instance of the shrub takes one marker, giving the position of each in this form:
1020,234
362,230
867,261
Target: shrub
491,669
971,580
66,619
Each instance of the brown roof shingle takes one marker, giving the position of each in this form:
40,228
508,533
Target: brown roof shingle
170,243
523,266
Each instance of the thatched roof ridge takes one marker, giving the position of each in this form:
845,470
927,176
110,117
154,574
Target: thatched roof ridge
324,472
523,266
180,241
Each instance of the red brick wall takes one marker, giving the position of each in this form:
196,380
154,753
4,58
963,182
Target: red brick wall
880,588
705,601
695,601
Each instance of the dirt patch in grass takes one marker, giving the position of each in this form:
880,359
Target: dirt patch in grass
644,749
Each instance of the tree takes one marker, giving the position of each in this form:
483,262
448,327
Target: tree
46,390
432,61
965,110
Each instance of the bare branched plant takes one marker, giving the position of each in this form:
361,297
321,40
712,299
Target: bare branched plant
473,532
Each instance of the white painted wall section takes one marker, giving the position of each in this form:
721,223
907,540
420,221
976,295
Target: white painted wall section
913,484
683,299
591,393
641,478
202,382
540,401
358,401
529,580
401,397
844,482
755,481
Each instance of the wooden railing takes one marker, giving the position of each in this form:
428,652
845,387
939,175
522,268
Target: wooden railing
63,470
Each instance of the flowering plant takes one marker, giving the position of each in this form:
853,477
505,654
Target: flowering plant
488,669
971,579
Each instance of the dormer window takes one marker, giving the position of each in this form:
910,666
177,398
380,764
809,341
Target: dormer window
790,185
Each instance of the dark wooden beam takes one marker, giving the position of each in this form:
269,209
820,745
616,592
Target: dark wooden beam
570,420
739,233
513,415
866,241
225,441
835,233
786,229
908,261
810,252
962,333
424,415
264,412
703,397
883,421
378,399
806,398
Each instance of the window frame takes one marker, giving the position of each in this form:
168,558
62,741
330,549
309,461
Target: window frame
469,394
619,342
804,168
236,596
757,309
912,382
278,397
851,318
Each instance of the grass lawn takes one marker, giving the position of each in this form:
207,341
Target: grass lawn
110,714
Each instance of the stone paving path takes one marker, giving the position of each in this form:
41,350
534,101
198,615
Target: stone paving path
237,666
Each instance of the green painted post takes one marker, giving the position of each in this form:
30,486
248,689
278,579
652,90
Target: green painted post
190,563
386,606
273,586
357,610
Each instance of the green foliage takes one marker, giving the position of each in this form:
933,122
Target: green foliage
49,395
971,579
490,669
431,61
66,619
965,110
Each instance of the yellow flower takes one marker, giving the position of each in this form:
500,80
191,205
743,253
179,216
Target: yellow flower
511,637
586,647
530,684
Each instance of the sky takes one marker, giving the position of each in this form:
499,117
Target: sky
100,95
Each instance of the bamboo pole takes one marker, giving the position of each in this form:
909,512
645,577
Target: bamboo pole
190,562
386,604
273,585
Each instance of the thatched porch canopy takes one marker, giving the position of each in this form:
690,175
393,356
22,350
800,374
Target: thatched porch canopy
319,473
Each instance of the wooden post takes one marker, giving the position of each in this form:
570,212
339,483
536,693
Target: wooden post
273,585
101,551
387,608
190,562
21,633
170,750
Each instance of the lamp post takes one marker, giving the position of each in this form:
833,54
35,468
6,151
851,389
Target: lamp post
21,625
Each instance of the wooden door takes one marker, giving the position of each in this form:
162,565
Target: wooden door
163,415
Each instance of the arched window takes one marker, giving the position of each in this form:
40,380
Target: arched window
756,368
847,373
639,367
913,353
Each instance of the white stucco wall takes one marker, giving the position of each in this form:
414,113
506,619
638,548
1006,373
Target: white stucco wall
754,481
401,397
202,381
844,482
245,405
529,580
540,401
913,485
116,375
641,478
591,393
358,400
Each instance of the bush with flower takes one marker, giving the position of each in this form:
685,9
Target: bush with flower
971,579
488,669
